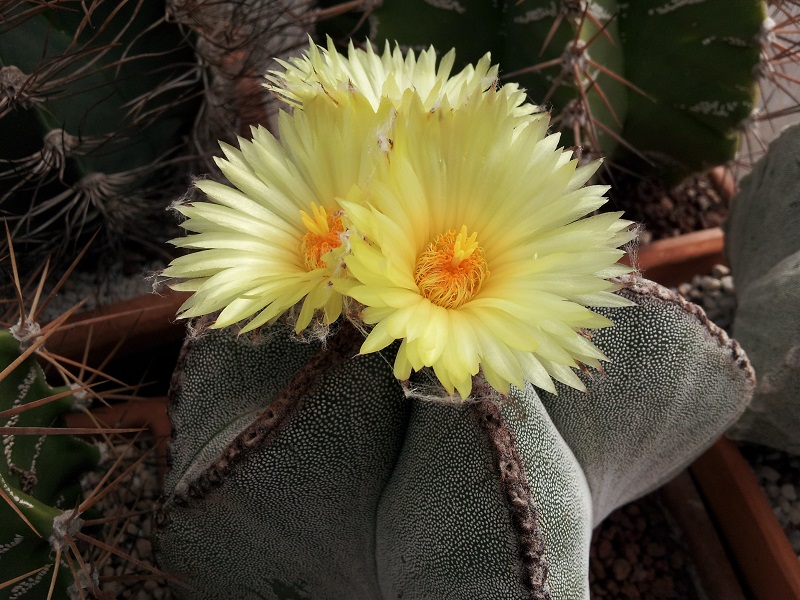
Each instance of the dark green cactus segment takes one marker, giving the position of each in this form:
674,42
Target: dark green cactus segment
36,465
764,251
675,382
447,26
540,32
93,106
38,473
697,61
22,551
657,84
95,103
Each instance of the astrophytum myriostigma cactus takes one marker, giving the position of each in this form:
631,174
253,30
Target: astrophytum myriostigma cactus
764,251
305,471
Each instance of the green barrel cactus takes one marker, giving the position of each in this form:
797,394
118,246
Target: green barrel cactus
301,470
94,106
763,247
105,113
39,480
663,88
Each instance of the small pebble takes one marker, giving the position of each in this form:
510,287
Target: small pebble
664,587
726,283
632,553
778,474
794,539
768,474
711,284
788,492
630,591
605,550
720,271
656,550
597,571
143,547
138,493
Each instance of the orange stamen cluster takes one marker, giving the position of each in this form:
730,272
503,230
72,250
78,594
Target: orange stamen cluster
452,269
323,235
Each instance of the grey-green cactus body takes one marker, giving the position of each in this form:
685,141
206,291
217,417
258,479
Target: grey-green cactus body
303,472
366,441
649,84
40,474
764,250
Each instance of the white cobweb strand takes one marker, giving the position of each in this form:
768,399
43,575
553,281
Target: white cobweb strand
427,388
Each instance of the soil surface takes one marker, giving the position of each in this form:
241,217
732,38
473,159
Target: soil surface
638,554
778,473
690,206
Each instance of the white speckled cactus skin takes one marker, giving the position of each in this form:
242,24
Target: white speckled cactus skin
325,481
666,388
763,246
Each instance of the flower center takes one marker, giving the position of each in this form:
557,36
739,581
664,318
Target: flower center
452,269
322,236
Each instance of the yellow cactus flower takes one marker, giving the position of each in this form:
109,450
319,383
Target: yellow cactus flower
475,250
276,237
388,76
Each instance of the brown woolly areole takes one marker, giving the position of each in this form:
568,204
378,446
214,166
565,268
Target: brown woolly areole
340,346
514,484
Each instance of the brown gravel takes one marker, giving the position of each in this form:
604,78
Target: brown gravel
637,554
119,578
778,473
693,205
